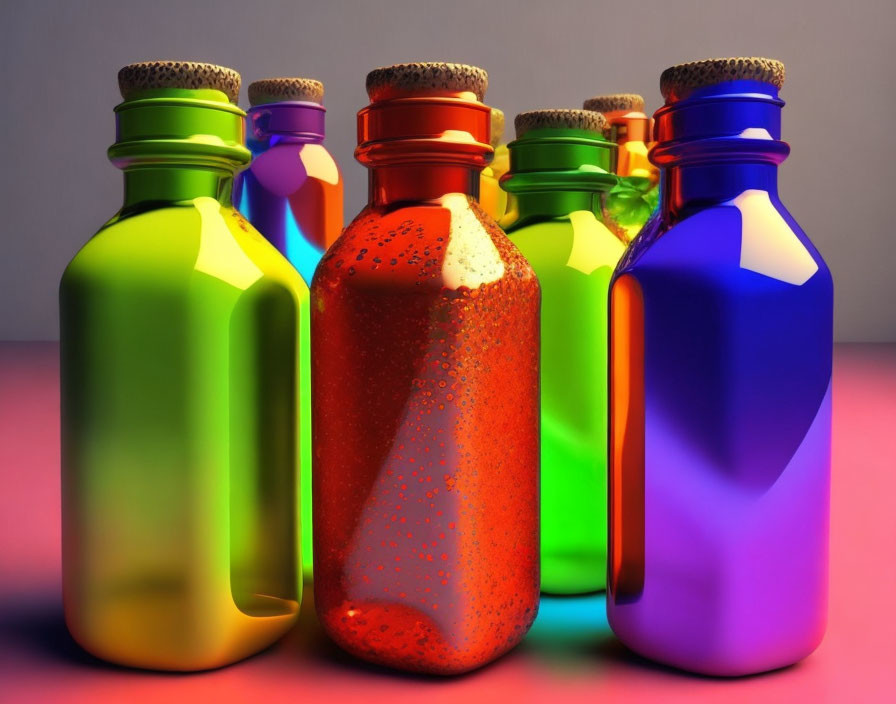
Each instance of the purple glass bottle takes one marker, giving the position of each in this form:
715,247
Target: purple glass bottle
292,191
292,194
720,400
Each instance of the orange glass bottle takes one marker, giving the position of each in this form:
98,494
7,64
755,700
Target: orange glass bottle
629,205
425,353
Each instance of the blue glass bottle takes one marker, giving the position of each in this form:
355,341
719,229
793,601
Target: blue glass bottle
720,402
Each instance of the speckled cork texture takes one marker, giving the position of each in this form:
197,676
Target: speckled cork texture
497,126
559,119
278,90
614,102
191,75
427,77
677,81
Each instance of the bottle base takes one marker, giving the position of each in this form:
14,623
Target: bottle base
706,660
404,638
158,639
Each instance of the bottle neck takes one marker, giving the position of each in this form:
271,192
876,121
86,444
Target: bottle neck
687,189
291,122
629,127
170,185
716,143
396,183
176,145
420,148
544,205
555,172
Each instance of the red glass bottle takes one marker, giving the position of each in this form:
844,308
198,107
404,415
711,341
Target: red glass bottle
425,353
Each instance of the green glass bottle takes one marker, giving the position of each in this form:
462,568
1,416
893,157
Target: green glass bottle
180,338
559,167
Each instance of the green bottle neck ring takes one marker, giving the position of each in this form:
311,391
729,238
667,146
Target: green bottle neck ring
555,172
182,128
560,160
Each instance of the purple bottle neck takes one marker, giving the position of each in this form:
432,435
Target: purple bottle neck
288,122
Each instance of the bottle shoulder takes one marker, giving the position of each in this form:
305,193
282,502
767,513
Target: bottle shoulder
285,168
445,243
169,246
578,241
751,234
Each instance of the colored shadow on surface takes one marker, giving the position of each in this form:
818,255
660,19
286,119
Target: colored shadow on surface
569,623
569,654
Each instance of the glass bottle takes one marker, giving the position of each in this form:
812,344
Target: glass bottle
292,191
720,400
425,325
559,169
292,194
179,360
629,205
492,197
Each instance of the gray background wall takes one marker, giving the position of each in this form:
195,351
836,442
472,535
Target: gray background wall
58,62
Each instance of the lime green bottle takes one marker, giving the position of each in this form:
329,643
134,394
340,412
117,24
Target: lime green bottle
559,167
180,357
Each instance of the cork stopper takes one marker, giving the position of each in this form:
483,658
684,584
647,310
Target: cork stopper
678,81
615,102
426,77
278,90
559,119
191,75
497,128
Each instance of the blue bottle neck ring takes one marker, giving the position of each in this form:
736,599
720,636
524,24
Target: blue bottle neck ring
716,142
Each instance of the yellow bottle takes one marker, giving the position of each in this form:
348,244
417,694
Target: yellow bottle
492,199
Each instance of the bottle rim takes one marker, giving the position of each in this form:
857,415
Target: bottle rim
181,127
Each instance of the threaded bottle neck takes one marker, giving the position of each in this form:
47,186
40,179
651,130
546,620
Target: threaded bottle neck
419,148
290,122
717,142
177,144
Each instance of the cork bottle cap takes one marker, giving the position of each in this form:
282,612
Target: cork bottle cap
615,102
278,90
678,81
426,77
559,119
497,129
191,75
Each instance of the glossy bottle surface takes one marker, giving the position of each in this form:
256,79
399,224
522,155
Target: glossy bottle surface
425,403
635,197
558,177
292,193
492,197
179,355
721,329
